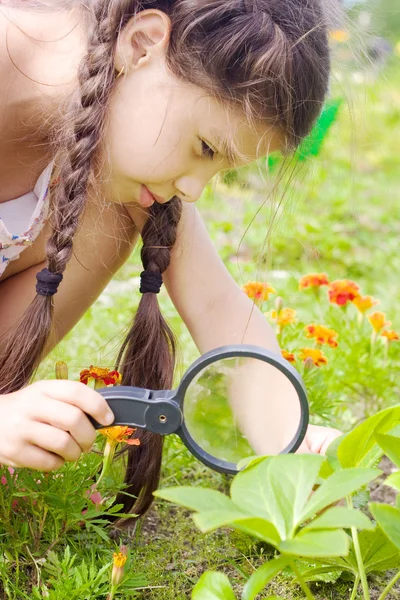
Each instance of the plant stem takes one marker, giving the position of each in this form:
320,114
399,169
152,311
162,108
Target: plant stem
389,586
355,588
301,581
360,563
109,452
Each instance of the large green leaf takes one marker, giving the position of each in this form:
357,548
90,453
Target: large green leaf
317,543
197,499
378,552
388,518
391,446
339,517
262,576
339,485
278,489
258,528
213,586
394,481
354,448
330,573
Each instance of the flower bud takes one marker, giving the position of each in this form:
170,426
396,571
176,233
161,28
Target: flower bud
120,559
278,303
308,364
61,370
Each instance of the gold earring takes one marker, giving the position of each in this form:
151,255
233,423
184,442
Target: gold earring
120,72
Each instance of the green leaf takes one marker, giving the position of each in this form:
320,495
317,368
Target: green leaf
340,484
99,531
262,576
317,543
391,446
333,572
277,489
259,528
378,552
388,518
339,517
197,499
354,448
213,586
394,481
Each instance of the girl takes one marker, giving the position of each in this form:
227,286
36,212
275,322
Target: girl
113,117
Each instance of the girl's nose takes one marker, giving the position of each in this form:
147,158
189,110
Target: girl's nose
189,189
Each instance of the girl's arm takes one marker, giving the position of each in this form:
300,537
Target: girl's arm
218,313
212,305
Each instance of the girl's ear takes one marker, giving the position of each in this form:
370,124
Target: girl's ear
145,35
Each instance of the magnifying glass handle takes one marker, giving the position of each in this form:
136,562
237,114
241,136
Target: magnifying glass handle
140,407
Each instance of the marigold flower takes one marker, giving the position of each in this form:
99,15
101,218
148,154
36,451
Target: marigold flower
317,356
119,434
100,375
378,321
115,435
120,559
313,280
364,303
289,356
322,334
258,291
390,335
339,35
285,316
343,291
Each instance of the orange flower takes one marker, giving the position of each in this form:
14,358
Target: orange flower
119,434
317,356
120,559
378,321
289,356
313,280
100,375
322,334
339,35
258,291
364,303
285,316
390,335
343,291
115,435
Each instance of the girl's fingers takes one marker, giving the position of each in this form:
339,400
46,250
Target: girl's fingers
53,440
79,395
36,458
66,418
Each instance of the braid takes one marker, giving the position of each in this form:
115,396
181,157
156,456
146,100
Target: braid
147,356
75,145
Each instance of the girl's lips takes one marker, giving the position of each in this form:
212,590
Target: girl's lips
146,199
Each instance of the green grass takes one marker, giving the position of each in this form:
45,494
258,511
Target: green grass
341,216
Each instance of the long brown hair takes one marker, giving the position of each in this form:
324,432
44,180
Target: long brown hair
266,58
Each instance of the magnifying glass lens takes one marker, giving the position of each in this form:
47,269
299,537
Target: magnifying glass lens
239,407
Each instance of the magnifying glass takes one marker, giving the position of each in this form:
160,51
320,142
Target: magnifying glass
232,403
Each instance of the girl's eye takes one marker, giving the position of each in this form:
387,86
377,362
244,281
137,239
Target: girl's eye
206,150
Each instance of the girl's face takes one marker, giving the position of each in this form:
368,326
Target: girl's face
166,134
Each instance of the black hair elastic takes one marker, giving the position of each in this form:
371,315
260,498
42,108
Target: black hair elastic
150,282
47,282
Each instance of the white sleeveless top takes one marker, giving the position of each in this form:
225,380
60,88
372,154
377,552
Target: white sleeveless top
22,219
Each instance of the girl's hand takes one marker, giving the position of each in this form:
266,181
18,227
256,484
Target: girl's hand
318,439
45,424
